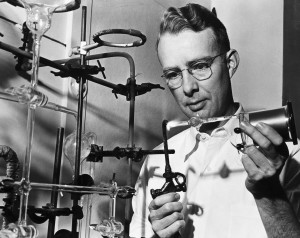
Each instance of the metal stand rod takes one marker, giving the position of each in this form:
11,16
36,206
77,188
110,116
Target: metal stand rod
57,64
79,123
99,56
55,178
129,160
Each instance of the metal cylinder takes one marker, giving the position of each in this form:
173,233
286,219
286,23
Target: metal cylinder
280,119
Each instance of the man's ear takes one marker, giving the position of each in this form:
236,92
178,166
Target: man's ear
233,61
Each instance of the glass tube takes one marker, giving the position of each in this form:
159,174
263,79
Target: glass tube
26,95
39,14
102,189
197,122
110,227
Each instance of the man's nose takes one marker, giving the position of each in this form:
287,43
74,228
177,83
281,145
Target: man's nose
189,83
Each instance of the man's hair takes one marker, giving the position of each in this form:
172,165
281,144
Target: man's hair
196,18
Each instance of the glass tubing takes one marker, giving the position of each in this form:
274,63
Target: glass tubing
38,21
31,108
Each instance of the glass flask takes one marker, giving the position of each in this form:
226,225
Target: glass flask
69,147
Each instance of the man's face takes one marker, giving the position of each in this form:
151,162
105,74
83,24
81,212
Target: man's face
208,98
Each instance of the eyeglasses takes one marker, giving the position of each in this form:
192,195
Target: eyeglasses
200,70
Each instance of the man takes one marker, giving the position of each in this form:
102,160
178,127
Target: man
198,63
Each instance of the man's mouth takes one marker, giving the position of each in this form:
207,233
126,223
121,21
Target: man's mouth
196,106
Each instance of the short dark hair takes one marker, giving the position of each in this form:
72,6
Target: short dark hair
196,18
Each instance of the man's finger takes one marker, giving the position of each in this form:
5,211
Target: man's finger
163,199
165,210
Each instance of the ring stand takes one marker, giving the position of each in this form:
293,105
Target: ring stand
131,32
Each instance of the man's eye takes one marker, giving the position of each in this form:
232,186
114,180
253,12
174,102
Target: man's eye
171,75
200,66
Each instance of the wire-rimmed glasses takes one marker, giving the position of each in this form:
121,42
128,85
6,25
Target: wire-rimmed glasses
199,69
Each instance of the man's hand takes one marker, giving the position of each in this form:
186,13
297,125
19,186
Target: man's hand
264,160
263,163
165,215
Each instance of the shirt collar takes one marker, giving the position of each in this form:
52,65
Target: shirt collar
193,137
